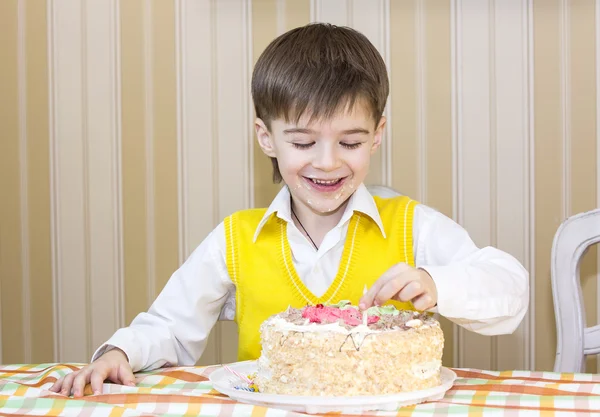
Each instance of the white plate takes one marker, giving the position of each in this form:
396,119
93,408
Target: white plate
223,381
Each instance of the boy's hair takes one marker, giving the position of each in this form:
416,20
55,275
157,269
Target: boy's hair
320,68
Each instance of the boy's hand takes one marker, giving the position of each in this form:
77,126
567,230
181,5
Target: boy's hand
402,283
112,365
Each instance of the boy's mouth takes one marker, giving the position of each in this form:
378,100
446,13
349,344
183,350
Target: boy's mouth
325,184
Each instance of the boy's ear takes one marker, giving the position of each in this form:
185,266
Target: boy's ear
378,134
264,138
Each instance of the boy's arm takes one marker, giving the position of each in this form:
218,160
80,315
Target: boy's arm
484,290
175,329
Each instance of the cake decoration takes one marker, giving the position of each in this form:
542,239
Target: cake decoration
332,314
242,382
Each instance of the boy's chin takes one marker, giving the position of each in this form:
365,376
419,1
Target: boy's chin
321,203
328,207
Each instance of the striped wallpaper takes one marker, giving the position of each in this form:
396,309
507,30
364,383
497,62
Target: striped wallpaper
126,136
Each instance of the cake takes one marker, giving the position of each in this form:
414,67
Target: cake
339,350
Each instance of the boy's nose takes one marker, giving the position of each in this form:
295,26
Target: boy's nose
327,160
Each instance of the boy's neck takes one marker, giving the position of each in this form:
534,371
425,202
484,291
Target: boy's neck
317,225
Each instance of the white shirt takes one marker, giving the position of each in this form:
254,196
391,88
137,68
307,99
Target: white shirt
484,290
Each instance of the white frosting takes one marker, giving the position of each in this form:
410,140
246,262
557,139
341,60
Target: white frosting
264,370
281,324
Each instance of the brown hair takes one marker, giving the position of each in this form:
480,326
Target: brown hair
321,68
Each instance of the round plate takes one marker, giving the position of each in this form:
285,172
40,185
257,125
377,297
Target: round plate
223,381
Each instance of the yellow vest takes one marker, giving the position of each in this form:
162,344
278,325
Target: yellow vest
267,282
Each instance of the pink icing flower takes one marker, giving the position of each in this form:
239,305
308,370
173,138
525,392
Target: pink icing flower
325,314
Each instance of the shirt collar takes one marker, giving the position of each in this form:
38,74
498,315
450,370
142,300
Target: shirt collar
361,200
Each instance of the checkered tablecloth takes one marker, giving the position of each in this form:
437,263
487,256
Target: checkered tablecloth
187,392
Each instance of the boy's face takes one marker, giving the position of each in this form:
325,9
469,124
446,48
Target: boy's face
323,162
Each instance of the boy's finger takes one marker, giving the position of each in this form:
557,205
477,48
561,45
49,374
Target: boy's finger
57,385
126,375
411,290
65,389
97,380
79,382
423,302
368,299
391,288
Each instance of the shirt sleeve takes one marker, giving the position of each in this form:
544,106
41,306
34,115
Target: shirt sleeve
484,290
174,331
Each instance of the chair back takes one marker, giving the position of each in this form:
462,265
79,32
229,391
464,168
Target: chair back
574,340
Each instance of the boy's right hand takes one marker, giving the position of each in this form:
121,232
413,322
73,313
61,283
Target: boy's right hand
113,365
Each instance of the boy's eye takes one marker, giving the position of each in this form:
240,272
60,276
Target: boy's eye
351,145
302,145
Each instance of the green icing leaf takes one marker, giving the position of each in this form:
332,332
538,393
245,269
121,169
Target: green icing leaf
342,305
381,310
372,311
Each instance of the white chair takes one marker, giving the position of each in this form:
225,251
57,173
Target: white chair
574,236
382,191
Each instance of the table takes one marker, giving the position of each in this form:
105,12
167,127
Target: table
186,391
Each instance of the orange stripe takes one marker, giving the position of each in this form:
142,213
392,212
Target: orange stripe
547,402
27,369
117,412
36,384
183,376
41,382
153,398
259,412
193,409
476,405
406,411
478,412
20,391
520,389
508,375
568,377
57,408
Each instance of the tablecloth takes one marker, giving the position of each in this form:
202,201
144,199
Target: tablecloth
186,391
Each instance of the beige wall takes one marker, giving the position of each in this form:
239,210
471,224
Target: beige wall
126,137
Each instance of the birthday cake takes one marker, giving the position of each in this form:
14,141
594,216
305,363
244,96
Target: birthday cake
338,350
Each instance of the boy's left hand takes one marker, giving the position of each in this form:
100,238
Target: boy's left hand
402,282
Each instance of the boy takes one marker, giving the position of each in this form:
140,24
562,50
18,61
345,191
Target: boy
319,92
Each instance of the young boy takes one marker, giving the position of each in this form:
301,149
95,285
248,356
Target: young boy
319,93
